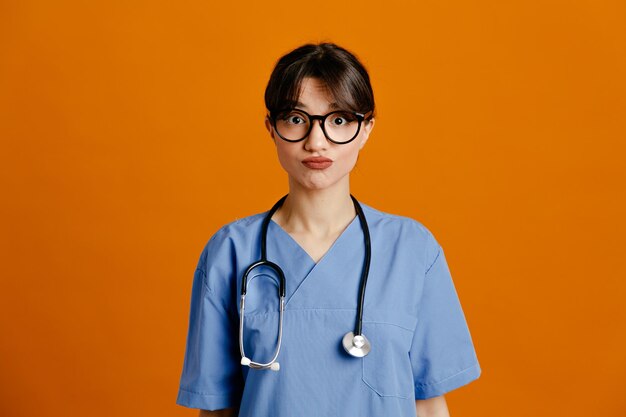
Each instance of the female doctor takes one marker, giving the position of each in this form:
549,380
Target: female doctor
351,311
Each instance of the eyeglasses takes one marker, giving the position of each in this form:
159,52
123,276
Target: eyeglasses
339,126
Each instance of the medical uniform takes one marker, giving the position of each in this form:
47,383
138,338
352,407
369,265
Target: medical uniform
420,343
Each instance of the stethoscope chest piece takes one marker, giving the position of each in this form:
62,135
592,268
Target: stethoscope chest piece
357,346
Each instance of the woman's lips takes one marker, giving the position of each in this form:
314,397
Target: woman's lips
317,162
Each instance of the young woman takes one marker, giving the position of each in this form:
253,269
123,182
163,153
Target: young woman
351,311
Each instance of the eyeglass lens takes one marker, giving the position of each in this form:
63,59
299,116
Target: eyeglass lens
340,126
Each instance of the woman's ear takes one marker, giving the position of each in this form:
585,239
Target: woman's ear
268,126
368,125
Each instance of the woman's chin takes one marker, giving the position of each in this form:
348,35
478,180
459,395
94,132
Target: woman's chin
318,183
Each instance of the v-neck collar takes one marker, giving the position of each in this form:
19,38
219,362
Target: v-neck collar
298,264
301,249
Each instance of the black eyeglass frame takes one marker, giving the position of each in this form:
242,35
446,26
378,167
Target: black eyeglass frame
359,116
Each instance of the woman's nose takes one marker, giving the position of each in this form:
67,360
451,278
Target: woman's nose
316,139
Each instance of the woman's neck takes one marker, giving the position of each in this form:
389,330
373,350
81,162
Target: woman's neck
317,212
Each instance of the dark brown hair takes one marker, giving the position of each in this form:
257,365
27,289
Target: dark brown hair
339,70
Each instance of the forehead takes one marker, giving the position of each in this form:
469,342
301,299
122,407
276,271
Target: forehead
314,92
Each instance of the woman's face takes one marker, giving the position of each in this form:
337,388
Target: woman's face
301,159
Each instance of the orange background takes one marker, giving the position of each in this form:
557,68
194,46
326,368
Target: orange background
132,130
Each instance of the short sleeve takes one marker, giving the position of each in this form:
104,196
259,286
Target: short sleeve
211,378
442,353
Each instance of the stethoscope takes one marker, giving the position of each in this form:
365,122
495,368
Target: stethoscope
355,343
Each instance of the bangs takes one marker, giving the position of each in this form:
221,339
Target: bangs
345,80
337,85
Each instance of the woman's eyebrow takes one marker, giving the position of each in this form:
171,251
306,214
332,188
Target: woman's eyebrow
331,105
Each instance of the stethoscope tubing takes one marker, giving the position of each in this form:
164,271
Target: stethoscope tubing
281,288
366,266
259,365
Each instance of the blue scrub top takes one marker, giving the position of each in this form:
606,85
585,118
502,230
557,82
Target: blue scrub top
421,345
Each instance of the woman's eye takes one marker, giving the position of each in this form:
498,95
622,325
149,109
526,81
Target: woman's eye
341,120
293,118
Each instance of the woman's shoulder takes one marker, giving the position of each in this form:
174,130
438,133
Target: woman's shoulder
241,224
395,222
235,234
239,228
396,227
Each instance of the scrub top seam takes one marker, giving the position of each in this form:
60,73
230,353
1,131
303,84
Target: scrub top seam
390,324
411,330
441,381
204,283
212,294
206,394
436,257
380,394
299,309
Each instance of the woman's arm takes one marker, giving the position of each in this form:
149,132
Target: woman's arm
226,412
432,407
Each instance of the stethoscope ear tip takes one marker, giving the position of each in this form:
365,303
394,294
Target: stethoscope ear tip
275,366
245,361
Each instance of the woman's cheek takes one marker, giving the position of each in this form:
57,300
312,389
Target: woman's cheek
286,159
349,159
